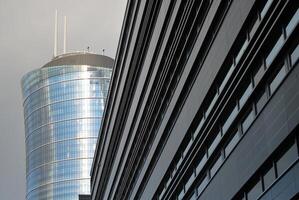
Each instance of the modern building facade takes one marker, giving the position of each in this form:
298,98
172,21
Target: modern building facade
63,107
204,103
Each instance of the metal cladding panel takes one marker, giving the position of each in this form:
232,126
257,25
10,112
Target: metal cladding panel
213,62
271,127
286,187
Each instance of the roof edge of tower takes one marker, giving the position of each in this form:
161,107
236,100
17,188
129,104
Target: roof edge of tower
81,58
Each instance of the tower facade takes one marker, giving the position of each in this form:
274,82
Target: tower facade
63,107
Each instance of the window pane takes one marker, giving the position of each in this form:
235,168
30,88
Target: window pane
202,185
229,73
287,159
199,127
232,143
190,181
261,101
188,147
259,72
162,193
243,48
254,26
194,195
180,161
230,119
214,143
266,8
247,121
273,53
295,55
293,23
181,195
269,177
255,191
277,79
212,104
246,94
201,163
168,182
216,165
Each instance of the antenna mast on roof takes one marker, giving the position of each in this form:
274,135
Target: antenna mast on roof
64,36
55,34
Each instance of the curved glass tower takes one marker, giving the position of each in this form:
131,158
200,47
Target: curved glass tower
63,107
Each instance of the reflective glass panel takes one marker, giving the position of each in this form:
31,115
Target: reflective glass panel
293,23
266,8
247,121
295,55
230,119
269,177
275,50
246,94
255,191
63,108
287,159
232,142
278,79
216,165
261,101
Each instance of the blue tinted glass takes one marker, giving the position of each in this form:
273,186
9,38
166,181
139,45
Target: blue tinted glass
63,107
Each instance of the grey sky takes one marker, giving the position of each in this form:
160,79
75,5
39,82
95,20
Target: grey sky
26,43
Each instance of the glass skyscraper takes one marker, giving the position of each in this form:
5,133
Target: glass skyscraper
63,107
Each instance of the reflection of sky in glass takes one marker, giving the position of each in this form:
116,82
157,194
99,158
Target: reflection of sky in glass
63,108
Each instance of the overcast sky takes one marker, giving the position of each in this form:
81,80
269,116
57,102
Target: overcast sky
26,43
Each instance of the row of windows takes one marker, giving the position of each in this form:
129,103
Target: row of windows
45,76
78,128
68,149
66,190
213,100
79,108
234,111
85,88
59,171
176,56
279,72
269,172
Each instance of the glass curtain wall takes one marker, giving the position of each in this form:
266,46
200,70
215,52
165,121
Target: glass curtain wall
63,108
